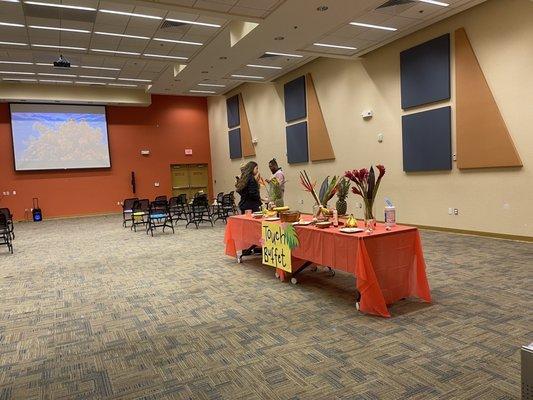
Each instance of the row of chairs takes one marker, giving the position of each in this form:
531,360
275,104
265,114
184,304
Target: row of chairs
165,213
7,230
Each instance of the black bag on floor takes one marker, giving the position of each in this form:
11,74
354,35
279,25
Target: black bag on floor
36,211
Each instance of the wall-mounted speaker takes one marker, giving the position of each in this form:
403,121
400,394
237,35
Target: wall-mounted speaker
133,188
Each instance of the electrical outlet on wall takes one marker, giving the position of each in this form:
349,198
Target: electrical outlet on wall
450,211
455,211
302,201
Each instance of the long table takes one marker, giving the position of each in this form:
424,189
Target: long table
388,264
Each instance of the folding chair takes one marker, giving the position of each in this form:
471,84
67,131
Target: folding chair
161,198
5,234
199,211
9,219
217,207
127,210
159,216
140,213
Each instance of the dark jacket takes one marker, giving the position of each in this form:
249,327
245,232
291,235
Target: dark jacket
250,196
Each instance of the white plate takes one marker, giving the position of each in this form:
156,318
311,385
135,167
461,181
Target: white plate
351,230
272,219
302,223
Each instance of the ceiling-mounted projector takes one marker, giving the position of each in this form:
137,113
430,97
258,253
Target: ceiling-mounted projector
62,62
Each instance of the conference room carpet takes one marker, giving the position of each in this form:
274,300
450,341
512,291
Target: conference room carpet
90,310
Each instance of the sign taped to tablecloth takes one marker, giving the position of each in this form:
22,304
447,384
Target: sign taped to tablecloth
278,241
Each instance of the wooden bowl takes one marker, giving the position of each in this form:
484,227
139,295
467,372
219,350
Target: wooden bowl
289,216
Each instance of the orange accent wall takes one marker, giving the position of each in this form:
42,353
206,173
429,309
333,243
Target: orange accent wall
167,127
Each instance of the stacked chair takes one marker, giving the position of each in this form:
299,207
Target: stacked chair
9,218
6,229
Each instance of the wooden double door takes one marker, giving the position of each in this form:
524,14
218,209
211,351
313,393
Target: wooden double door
190,179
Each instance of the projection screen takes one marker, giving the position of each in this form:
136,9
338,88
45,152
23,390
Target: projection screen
57,136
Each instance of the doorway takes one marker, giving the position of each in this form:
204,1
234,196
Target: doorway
190,179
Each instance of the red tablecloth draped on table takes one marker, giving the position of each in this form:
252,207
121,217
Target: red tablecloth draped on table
389,265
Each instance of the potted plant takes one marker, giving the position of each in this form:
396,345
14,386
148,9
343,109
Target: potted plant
342,193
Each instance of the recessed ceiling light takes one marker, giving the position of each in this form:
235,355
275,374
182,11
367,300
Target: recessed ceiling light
63,75
184,21
385,28
128,14
262,66
122,35
52,46
97,77
14,43
130,53
134,80
437,3
335,46
211,85
273,53
90,83
122,84
322,8
53,81
17,73
104,68
279,38
202,91
53,28
16,62
247,76
178,41
40,3
162,56
20,79
11,24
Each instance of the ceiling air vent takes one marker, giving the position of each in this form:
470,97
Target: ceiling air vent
31,10
269,56
392,3
171,24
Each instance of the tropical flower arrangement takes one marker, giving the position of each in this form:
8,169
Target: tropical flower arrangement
366,186
326,193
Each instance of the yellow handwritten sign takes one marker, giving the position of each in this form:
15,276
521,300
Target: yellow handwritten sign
276,250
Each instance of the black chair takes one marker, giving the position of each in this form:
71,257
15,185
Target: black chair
177,209
5,233
9,219
140,212
159,216
199,211
217,207
161,198
127,210
233,205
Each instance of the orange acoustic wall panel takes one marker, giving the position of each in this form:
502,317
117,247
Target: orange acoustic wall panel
246,134
483,139
320,148
167,127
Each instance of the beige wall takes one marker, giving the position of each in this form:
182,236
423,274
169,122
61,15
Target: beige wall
493,200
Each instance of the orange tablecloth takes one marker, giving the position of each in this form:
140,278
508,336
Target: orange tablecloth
389,265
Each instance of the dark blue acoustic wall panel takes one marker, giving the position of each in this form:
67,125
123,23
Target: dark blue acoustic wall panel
235,149
427,140
232,105
425,72
297,143
294,93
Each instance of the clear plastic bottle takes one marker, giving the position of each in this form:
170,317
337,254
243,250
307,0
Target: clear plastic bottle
335,218
390,216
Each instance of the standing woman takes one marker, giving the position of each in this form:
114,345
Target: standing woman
248,187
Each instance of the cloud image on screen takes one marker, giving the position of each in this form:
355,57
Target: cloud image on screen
60,140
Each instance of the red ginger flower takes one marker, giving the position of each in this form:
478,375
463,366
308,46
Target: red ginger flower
381,169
